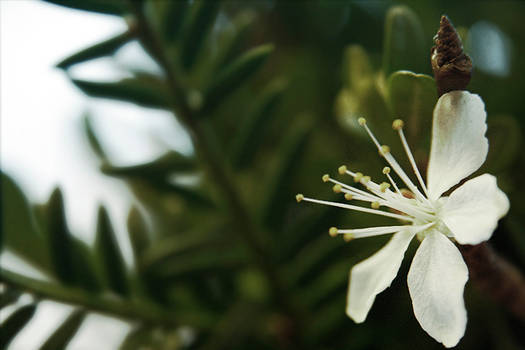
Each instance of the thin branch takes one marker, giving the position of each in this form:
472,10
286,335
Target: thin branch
130,309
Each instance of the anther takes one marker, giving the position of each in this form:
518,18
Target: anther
348,237
332,232
383,186
386,170
358,177
361,121
348,196
407,193
398,124
342,169
384,150
337,188
365,179
326,178
375,205
299,197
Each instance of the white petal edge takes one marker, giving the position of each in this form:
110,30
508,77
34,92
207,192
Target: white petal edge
459,146
436,281
472,211
373,275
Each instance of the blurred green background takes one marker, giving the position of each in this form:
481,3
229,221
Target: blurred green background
220,254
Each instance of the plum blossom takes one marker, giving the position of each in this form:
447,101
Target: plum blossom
468,215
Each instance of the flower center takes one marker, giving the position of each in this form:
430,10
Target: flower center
410,206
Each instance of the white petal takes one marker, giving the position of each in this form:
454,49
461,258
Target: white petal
472,211
459,145
373,275
436,281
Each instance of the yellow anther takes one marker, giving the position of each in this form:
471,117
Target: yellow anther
299,197
358,177
365,179
384,150
348,237
361,121
337,188
326,178
348,196
398,124
375,205
384,186
333,231
386,170
342,169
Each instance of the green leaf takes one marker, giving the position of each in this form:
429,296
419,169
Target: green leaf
143,90
196,30
169,16
112,262
404,43
92,138
232,43
164,165
232,76
104,48
14,324
279,192
109,7
67,330
357,69
86,275
60,239
251,133
412,98
138,235
19,231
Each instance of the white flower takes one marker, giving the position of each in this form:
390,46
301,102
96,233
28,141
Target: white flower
468,215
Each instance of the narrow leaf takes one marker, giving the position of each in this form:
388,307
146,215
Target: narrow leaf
162,166
59,239
403,47
196,31
63,334
144,91
251,133
169,16
93,139
109,7
104,48
112,262
83,266
279,193
14,324
138,235
232,76
19,232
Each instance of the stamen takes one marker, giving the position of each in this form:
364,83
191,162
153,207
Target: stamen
358,177
375,205
410,156
332,232
385,152
342,169
383,187
337,188
386,171
357,208
325,178
349,196
299,197
382,230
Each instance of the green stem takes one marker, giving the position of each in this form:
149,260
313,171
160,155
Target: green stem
129,309
215,171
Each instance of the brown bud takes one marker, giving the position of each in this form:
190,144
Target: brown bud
451,65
